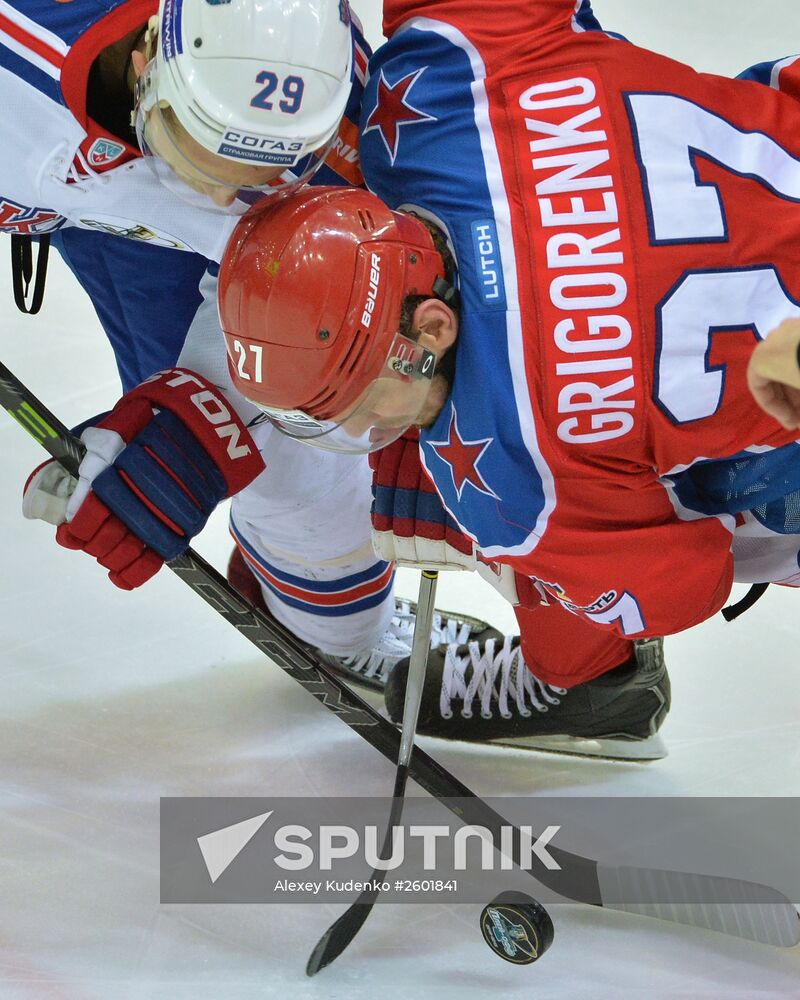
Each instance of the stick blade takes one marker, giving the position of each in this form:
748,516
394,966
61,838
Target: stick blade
733,906
338,936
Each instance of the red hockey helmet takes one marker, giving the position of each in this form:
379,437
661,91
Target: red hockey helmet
310,294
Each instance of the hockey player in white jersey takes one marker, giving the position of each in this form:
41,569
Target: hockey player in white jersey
249,125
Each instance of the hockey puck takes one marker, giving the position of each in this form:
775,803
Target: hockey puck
517,928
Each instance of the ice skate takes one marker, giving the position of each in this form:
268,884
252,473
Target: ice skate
485,693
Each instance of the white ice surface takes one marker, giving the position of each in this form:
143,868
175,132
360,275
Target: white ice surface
110,700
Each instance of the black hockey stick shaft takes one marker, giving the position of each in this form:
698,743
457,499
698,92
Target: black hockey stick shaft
724,904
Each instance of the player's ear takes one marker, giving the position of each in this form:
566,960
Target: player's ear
138,61
437,325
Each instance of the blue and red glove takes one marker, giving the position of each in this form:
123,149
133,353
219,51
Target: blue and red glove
155,468
409,522
411,526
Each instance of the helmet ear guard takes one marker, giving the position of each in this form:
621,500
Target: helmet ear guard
313,286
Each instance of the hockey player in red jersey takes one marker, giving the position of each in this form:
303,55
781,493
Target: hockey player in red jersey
624,234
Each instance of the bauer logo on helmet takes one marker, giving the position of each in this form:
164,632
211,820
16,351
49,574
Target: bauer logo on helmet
372,291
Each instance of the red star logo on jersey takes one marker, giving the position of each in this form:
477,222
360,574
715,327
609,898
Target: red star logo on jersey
393,111
463,457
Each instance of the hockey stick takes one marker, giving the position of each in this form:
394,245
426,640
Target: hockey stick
342,931
733,906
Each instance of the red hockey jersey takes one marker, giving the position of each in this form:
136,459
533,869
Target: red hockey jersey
626,229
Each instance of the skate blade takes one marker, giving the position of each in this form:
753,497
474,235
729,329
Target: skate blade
652,748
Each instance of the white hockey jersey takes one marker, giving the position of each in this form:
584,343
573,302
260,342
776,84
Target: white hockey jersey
61,167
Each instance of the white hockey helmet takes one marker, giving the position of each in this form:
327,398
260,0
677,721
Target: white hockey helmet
261,84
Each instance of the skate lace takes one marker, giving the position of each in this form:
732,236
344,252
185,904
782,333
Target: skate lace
498,675
396,642
443,630
377,661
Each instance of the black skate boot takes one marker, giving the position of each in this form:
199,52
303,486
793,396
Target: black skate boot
485,693
370,668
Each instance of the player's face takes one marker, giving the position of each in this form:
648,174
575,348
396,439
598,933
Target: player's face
388,408
392,404
216,177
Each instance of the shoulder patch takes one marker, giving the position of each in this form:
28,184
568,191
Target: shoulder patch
104,151
133,231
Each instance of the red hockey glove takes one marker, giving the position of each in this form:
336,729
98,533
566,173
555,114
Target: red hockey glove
409,523
154,470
